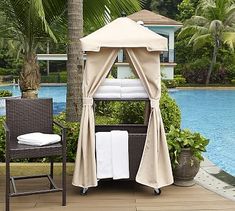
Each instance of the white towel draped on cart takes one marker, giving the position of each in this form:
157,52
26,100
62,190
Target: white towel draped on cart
112,155
38,139
120,154
104,155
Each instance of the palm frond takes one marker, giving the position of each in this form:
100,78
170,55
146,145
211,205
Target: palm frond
98,13
191,30
229,39
201,41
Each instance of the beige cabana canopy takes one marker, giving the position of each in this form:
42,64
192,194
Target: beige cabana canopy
143,48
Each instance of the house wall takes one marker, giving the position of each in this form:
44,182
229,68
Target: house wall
168,31
124,71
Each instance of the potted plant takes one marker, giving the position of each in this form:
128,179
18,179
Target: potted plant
185,149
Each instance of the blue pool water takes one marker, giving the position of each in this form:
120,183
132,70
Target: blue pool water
58,93
212,113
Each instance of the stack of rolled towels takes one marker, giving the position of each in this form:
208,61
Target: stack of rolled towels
121,89
112,156
38,139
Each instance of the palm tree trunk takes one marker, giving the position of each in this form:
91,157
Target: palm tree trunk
213,61
30,77
75,61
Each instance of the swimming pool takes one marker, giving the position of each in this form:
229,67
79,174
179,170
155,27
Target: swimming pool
212,113
58,93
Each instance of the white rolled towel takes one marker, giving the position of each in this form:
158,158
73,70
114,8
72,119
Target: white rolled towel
134,89
111,82
134,95
108,89
107,95
131,83
38,139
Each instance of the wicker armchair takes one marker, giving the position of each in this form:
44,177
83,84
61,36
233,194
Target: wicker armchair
27,116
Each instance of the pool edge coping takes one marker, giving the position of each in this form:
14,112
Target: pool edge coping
207,88
206,178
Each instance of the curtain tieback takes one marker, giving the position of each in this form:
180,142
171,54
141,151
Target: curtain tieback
154,103
87,101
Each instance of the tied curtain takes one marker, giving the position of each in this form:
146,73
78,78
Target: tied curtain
98,65
155,167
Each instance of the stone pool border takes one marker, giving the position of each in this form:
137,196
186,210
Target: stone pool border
207,88
216,180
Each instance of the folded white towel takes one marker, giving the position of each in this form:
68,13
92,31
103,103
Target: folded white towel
107,95
134,95
134,89
131,82
108,89
104,155
111,82
120,154
38,139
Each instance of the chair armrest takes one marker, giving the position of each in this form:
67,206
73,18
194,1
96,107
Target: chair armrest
59,124
63,131
7,131
6,128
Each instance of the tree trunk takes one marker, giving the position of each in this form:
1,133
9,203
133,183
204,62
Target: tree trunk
75,61
213,61
30,77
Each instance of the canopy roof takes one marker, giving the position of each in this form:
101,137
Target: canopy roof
124,33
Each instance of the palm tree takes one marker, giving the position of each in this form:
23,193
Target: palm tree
96,14
26,24
213,24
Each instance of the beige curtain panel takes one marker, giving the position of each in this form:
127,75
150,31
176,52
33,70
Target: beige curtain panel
155,167
97,68
143,47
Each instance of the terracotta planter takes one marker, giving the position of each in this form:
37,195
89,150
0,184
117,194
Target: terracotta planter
187,169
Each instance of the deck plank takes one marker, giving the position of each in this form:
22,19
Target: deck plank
121,196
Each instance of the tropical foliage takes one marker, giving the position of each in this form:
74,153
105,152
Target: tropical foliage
164,7
212,25
24,25
178,139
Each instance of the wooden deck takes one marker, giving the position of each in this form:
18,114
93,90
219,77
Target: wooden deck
120,196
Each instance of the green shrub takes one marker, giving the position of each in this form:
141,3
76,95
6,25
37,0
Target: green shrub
170,112
72,133
2,140
178,139
103,120
163,88
233,81
180,81
106,108
131,112
170,83
5,71
178,76
58,77
5,93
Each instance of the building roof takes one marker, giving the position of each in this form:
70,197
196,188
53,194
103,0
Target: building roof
124,33
151,18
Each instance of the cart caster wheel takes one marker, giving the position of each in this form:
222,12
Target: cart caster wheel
83,191
157,191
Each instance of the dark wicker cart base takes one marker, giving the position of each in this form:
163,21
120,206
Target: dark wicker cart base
136,139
